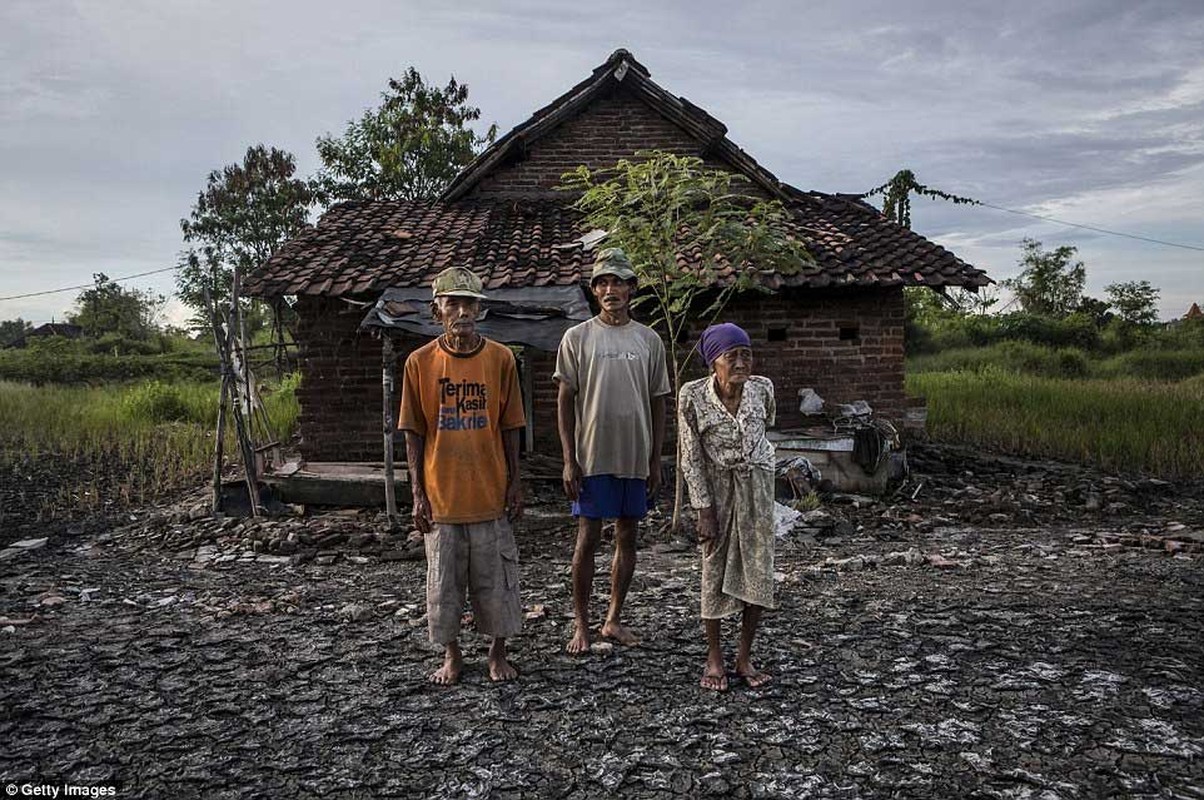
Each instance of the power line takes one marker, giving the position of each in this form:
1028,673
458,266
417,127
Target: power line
87,285
1092,227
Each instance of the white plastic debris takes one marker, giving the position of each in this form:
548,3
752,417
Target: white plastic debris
809,401
784,518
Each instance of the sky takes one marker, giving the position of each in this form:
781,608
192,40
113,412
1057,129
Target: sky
113,112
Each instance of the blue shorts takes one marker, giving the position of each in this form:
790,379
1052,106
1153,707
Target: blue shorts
608,497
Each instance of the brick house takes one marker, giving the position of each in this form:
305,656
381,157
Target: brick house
837,326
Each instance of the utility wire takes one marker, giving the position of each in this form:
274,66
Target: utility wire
87,285
1091,227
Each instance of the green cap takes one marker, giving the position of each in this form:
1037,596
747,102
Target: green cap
457,282
612,261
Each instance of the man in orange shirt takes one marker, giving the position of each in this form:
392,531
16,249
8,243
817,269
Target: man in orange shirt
461,411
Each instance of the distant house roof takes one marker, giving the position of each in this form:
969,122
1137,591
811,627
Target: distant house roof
64,329
361,248
1194,312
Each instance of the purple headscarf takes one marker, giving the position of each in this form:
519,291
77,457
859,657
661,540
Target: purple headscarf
718,339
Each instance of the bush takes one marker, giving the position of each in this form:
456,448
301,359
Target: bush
1154,365
57,364
1074,330
157,402
1020,358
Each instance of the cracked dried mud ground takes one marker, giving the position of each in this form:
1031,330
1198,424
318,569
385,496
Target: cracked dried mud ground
1051,662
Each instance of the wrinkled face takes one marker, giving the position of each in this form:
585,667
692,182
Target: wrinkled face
457,314
612,292
734,366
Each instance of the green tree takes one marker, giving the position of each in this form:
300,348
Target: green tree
1098,311
409,148
662,205
108,308
1051,281
896,196
13,329
245,212
1135,301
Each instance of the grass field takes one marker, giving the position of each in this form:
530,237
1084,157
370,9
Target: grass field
1127,425
129,443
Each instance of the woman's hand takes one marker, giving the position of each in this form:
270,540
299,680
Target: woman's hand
708,528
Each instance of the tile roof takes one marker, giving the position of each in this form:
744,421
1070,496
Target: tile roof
362,248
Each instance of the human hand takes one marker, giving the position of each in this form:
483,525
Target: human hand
514,500
708,528
654,475
572,479
422,512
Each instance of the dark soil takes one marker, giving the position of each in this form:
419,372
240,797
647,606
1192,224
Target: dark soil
985,639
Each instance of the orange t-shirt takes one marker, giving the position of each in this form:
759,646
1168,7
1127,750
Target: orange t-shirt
461,403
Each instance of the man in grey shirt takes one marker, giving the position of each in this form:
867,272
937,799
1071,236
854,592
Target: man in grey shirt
613,381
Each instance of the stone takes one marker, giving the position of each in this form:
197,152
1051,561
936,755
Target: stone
903,558
356,612
817,518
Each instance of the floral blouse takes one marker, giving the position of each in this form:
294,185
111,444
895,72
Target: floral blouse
712,440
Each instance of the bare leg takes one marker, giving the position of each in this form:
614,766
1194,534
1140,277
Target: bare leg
589,533
499,668
622,568
748,630
714,674
449,673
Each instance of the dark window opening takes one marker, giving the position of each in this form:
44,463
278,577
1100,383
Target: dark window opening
777,334
849,333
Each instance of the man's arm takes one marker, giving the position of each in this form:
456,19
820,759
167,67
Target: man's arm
415,451
514,486
566,421
658,443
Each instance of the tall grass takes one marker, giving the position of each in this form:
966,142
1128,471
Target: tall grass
1065,362
125,444
1126,425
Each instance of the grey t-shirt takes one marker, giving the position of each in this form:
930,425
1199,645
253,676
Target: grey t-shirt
615,371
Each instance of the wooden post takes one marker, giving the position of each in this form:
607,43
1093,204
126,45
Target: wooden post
387,405
219,444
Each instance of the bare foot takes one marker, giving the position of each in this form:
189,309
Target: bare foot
499,668
754,677
449,673
622,635
714,678
580,642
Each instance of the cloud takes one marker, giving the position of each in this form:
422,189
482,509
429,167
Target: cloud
111,114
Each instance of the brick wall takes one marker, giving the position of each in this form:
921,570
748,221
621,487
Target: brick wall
340,392
611,128
543,393
866,365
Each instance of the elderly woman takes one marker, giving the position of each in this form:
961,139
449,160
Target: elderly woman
728,466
